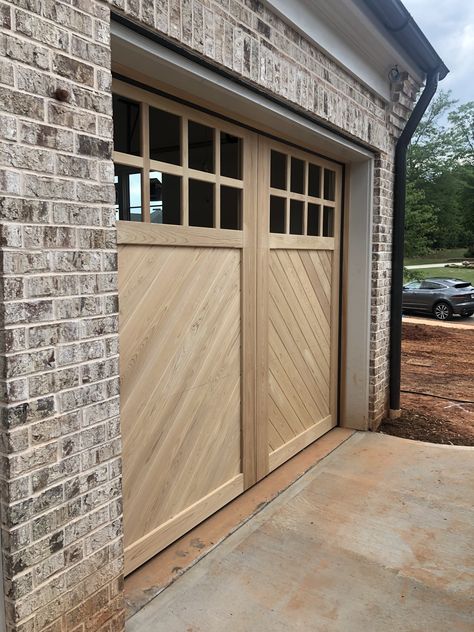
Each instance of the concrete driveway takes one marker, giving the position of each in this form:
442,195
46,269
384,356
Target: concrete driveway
377,537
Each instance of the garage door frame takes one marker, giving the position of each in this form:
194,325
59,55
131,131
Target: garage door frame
362,164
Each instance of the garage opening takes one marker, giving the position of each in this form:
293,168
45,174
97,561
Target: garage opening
229,309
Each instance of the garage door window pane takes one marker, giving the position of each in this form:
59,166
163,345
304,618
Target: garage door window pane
231,156
314,180
201,147
314,211
328,221
231,208
165,136
278,170
165,198
128,193
297,175
126,117
329,185
201,203
296,217
277,214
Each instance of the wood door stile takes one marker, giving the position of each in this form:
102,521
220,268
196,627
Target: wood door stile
249,322
263,219
228,332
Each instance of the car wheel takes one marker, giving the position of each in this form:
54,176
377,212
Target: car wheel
442,311
467,315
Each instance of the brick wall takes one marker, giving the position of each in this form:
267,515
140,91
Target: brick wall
60,441
403,97
60,436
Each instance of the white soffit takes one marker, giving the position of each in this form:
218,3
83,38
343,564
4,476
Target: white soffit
345,32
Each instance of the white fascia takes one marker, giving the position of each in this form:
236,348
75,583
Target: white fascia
344,31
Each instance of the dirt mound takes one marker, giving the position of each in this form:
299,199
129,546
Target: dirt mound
413,332
437,386
426,427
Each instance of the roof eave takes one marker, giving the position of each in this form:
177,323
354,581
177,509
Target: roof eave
395,18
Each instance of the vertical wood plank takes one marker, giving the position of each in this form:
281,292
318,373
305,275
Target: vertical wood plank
288,189
249,311
321,194
305,203
217,186
185,181
261,387
145,132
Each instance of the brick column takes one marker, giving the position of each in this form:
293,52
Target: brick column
60,443
404,94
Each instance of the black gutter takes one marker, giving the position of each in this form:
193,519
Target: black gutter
398,237
401,26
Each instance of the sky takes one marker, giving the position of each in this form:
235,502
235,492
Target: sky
449,26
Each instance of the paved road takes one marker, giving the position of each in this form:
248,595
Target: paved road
455,323
426,266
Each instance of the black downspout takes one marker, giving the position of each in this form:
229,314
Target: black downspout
398,238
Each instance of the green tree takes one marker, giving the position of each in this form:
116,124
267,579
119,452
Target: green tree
440,182
462,133
421,223
430,148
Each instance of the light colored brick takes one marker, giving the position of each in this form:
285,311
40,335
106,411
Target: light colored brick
60,440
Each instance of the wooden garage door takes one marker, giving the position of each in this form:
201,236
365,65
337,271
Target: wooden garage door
228,310
298,296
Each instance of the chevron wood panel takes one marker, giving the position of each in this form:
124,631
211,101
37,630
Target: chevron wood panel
299,333
181,380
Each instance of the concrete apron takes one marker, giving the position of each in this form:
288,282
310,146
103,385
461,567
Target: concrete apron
377,537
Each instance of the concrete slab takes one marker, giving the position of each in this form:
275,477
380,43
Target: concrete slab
377,537
149,580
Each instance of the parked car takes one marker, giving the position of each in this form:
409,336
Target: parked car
440,297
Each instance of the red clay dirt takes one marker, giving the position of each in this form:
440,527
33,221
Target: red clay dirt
437,385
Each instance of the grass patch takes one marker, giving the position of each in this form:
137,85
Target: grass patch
466,274
439,255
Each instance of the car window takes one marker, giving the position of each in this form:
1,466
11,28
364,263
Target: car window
431,285
414,285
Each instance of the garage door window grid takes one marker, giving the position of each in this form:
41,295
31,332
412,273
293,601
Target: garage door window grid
172,168
302,197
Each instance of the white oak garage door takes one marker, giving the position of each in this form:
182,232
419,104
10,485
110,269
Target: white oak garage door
228,287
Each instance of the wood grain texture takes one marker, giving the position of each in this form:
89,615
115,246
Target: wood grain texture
299,338
156,540
181,379
298,443
229,340
249,321
300,242
170,235
263,224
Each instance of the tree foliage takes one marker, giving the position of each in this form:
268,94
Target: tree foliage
420,225
440,181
